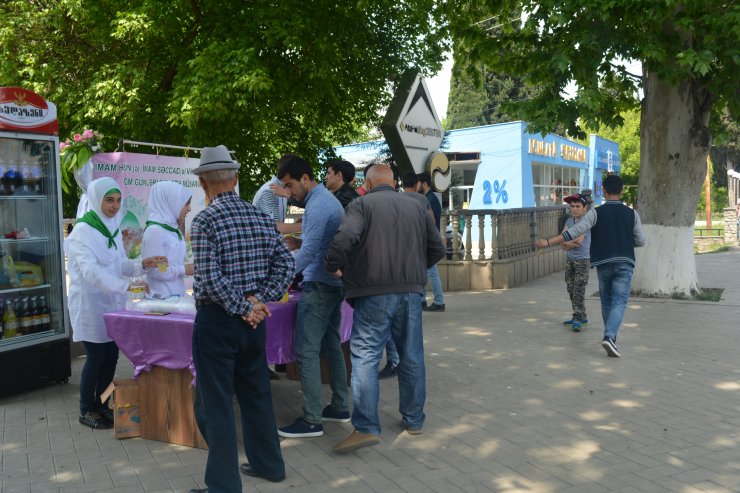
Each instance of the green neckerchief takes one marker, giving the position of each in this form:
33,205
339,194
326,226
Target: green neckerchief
94,221
165,226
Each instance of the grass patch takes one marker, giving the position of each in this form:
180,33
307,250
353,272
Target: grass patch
704,294
714,247
709,294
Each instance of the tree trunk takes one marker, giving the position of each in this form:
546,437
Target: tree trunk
674,144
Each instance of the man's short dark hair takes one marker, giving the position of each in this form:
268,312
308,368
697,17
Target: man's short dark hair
409,180
345,167
613,184
425,178
293,166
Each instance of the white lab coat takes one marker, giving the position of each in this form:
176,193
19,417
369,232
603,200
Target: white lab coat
97,274
98,281
166,200
159,241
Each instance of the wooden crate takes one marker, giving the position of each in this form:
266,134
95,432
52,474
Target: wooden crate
166,404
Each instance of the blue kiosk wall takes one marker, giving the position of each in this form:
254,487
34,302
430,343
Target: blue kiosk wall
518,168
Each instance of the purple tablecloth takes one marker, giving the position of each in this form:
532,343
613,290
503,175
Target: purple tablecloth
167,340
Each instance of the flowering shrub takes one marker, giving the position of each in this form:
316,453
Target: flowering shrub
75,152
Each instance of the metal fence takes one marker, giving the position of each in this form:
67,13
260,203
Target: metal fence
501,234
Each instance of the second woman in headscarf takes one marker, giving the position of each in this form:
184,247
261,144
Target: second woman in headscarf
169,203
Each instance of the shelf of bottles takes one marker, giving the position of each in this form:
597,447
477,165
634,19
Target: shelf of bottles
31,296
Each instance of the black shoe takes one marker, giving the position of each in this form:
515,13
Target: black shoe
434,307
424,305
94,420
610,346
281,368
273,375
389,371
247,469
107,414
204,490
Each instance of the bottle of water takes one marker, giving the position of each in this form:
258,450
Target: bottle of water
137,288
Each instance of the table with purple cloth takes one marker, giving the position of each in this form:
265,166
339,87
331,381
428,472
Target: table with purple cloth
167,340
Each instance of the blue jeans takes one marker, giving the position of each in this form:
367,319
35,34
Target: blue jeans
391,353
230,358
615,282
376,319
97,374
317,334
436,282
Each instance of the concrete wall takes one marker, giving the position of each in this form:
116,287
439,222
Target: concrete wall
475,275
730,220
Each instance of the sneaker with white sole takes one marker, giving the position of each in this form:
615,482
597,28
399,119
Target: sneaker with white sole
301,429
329,414
610,346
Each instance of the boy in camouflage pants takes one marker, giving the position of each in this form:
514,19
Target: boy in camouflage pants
578,263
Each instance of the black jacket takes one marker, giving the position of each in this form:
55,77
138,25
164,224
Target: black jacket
346,194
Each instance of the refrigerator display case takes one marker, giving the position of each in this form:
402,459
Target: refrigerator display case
34,335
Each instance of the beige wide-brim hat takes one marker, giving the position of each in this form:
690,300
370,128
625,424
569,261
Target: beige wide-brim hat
215,159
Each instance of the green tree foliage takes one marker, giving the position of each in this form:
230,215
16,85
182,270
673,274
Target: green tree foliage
478,96
263,78
628,137
554,43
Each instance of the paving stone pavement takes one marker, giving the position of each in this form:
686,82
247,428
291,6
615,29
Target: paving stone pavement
515,403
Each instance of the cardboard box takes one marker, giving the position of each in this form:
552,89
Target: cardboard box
166,403
125,406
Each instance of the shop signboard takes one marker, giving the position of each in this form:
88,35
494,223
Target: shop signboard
414,133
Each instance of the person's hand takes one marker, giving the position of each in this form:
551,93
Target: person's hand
258,313
153,261
280,191
288,228
292,242
540,243
189,269
337,273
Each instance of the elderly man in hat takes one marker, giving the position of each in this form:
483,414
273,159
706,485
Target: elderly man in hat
241,263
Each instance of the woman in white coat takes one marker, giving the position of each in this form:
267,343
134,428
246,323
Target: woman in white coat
99,273
169,203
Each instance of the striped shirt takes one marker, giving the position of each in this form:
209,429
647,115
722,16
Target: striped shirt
238,251
266,201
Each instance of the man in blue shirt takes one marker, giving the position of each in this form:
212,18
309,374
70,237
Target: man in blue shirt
319,311
425,188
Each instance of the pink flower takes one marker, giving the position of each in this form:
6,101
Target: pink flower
77,137
88,134
62,146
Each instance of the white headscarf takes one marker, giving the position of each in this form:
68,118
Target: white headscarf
96,192
166,200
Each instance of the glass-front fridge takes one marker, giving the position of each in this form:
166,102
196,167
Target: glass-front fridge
34,330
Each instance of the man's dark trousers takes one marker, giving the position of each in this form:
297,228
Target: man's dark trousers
230,358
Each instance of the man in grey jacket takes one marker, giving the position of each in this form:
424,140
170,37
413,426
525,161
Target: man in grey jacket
382,251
